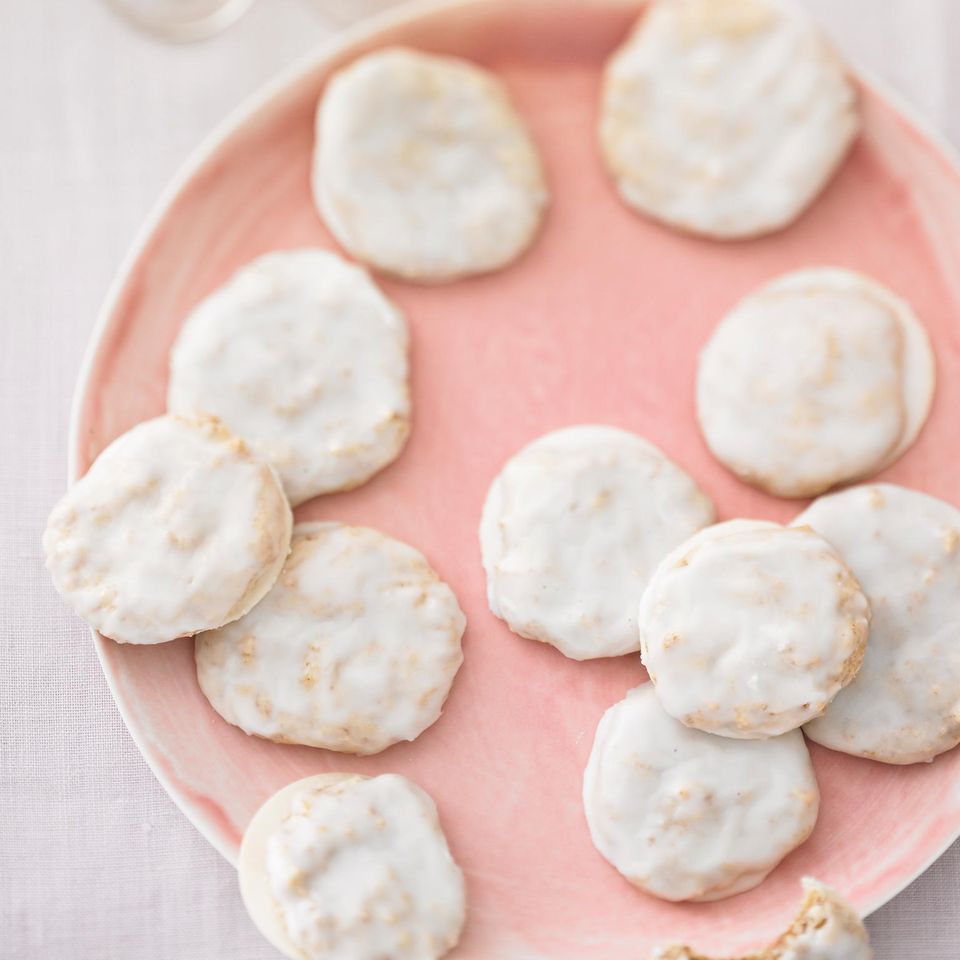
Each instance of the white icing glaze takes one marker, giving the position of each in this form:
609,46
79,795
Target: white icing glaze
904,547
354,649
819,377
689,816
175,528
423,168
826,928
749,629
301,355
725,117
572,528
340,867
918,374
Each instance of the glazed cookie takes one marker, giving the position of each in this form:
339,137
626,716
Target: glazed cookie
571,530
725,118
354,649
750,629
346,867
826,928
301,355
174,529
423,168
688,816
904,547
819,377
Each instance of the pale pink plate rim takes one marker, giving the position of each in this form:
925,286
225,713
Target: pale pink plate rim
245,112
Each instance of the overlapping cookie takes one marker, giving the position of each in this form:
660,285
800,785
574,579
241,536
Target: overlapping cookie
176,528
749,629
302,356
689,816
354,649
904,546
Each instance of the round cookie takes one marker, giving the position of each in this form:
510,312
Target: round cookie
750,629
725,118
301,355
571,530
347,867
918,370
904,547
819,377
826,928
688,816
423,168
354,649
174,529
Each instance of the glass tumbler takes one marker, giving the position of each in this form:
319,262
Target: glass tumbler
181,20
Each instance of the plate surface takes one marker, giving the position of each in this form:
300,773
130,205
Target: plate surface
600,322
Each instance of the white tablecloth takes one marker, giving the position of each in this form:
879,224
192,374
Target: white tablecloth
96,862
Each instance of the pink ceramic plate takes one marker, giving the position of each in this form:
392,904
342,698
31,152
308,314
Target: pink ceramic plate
600,322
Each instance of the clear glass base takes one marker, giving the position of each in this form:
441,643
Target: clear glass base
181,21
349,11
